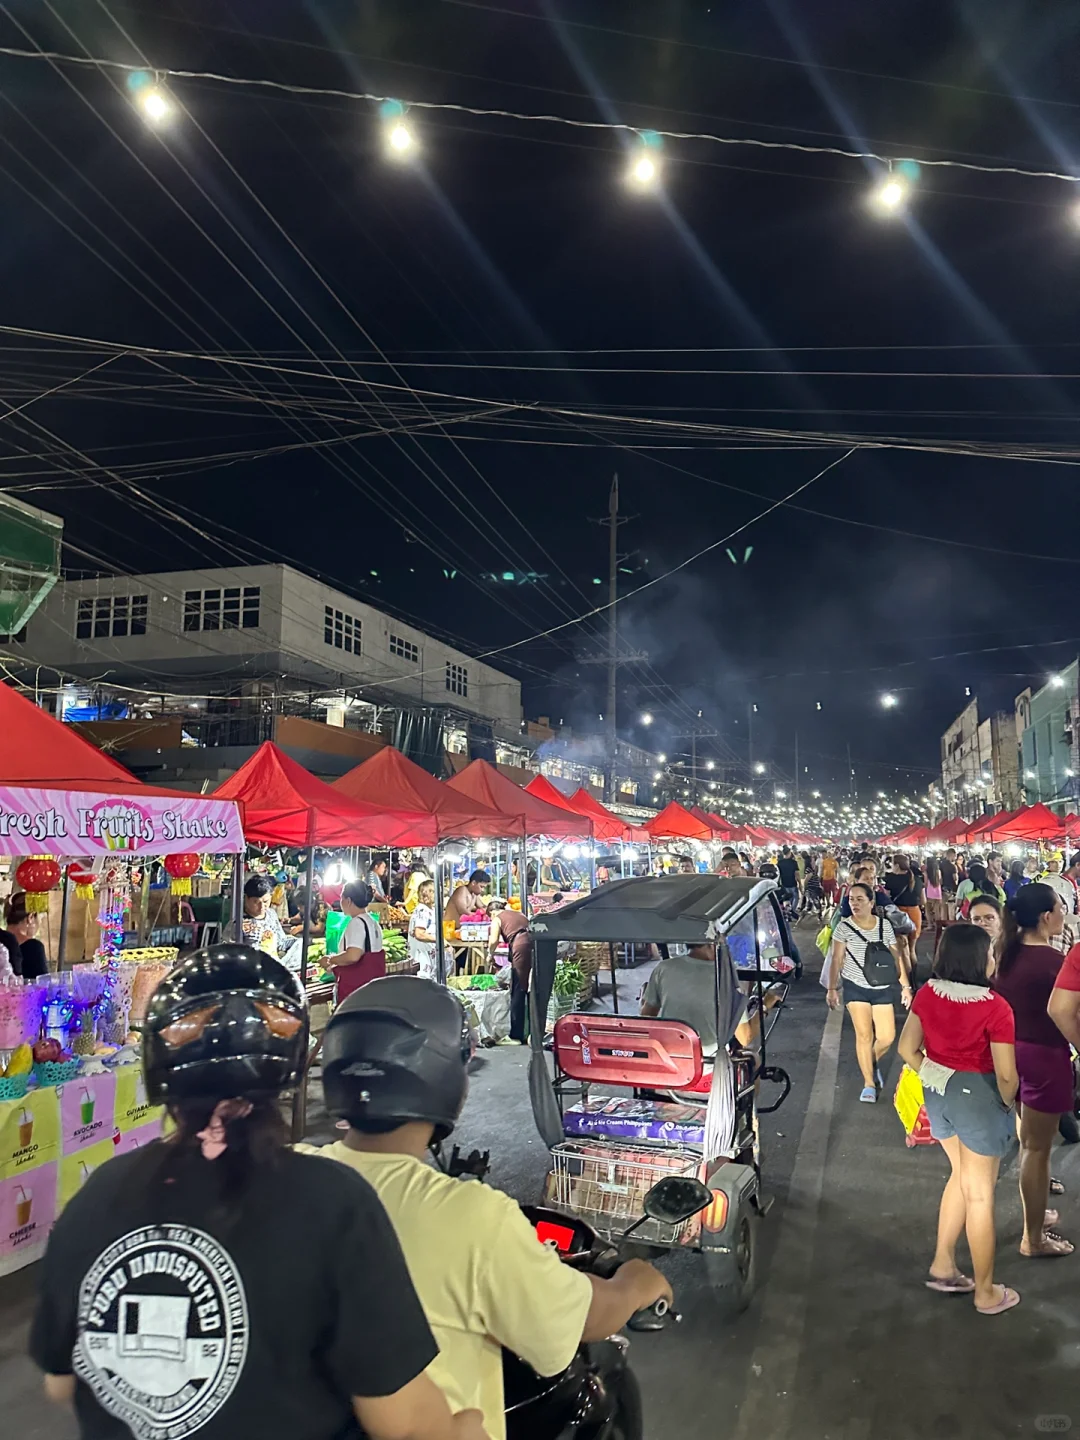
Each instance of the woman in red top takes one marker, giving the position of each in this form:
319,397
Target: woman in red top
1028,966
959,1040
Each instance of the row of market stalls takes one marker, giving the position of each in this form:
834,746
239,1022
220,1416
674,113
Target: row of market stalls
1029,825
83,837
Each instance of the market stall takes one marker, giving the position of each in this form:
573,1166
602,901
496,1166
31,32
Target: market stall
286,805
71,1090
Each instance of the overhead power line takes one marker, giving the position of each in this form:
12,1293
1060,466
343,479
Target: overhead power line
285,87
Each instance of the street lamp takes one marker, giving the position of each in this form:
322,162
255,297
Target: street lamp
1057,681
759,768
646,719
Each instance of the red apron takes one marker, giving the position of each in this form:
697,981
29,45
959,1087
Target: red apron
370,966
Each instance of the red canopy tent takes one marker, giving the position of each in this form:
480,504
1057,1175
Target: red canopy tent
675,822
990,825
543,789
390,779
284,804
724,828
61,795
482,781
607,826
1037,822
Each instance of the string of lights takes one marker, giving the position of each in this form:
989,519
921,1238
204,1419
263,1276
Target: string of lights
893,186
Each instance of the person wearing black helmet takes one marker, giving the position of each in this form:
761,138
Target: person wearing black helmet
394,1068
216,1283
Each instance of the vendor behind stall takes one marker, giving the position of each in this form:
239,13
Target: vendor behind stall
26,954
422,936
363,956
511,928
262,928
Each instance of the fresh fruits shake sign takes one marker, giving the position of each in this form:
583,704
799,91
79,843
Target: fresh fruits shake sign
93,825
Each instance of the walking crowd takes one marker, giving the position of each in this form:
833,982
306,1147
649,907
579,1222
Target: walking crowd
992,1033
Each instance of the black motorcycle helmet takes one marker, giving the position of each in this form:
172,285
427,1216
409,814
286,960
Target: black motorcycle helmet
229,1021
397,1050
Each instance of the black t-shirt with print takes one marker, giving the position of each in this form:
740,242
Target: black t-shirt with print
178,1322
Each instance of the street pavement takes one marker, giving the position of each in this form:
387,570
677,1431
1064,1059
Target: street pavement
842,1341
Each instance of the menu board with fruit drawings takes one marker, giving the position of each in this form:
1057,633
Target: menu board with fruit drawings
52,1140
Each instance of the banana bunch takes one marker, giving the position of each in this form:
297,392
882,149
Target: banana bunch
21,1062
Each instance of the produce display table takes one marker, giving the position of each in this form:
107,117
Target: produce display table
52,1140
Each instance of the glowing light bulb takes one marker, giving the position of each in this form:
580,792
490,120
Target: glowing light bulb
889,701
890,196
400,139
154,104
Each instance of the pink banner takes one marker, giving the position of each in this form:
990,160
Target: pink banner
68,822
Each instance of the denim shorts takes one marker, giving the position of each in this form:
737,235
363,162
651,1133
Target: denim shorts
868,994
972,1110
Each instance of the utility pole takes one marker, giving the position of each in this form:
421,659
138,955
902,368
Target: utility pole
693,764
613,638
796,767
612,658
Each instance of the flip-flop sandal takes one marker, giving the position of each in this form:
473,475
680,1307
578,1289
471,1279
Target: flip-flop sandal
1007,1301
955,1285
1060,1247
1056,1187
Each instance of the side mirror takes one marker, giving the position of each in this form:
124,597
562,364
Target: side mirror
675,1199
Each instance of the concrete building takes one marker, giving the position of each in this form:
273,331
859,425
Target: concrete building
1049,757
980,764
223,659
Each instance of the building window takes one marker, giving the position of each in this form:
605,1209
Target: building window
405,648
235,608
111,616
457,679
341,630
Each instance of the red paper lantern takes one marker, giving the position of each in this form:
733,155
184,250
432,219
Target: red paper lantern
181,868
83,880
37,876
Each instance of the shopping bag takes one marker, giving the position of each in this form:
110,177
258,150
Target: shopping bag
908,1103
908,1099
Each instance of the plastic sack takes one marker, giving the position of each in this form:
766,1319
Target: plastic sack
908,1099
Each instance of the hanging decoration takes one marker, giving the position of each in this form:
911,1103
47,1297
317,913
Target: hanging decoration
83,880
37,875
180,869
115,902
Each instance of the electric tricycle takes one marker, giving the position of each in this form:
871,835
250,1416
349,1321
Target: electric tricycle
633,1100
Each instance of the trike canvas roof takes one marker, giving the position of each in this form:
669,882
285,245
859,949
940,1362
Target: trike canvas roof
662,909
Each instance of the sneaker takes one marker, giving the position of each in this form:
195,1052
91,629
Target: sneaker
869,1095
507,1041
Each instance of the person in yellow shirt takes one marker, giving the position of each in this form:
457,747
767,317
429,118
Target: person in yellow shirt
394,1067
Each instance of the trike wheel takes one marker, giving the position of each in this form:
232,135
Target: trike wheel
733,1273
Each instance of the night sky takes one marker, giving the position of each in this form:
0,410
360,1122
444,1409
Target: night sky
525,326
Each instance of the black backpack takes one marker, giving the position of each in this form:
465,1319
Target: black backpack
878,965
